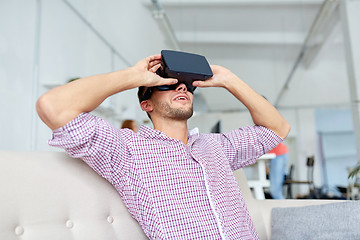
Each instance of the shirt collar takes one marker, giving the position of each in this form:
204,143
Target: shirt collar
148,132
194,131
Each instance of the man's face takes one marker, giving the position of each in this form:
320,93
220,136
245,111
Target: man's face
174,104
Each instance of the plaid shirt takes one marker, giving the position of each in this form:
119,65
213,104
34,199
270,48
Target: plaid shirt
174,191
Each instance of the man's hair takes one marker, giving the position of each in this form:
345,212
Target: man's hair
141,93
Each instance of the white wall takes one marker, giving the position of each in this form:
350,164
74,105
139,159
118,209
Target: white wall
36,57
338,144
17,40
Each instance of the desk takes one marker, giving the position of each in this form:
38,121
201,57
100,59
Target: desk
260,182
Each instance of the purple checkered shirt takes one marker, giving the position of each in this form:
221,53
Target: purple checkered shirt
174,191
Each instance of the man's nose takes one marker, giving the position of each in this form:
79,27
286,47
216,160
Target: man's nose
181,87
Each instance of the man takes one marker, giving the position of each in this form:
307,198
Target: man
177,184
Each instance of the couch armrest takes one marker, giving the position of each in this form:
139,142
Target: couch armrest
260,210
266,206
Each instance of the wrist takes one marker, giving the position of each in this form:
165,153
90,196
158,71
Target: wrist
123,79
232,82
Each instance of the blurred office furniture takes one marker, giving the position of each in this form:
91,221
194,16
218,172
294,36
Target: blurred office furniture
353,187
257,177
289,178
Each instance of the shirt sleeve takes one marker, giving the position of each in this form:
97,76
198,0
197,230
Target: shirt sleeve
245,145
95,141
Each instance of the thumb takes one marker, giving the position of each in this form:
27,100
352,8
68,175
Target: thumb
205,83
166,81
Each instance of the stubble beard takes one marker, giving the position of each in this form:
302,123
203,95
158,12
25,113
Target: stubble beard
176,113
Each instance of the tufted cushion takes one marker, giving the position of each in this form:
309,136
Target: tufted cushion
52,196
328,221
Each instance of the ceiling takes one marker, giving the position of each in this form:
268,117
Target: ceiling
270,44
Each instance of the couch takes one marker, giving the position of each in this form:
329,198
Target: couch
48,195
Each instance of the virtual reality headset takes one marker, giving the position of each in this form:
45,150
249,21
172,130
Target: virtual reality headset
186,67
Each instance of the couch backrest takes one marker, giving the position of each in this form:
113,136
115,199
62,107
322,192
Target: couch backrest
48,195
253,205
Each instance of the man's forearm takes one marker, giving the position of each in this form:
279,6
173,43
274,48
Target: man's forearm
262,112
62,104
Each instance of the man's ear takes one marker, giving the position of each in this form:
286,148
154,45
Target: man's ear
146,106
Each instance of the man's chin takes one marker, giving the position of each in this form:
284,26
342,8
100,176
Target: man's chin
183,115
176,113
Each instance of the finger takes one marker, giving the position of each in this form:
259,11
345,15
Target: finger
154,57
155,68
202,84
153,79
154,63
166,81
215,67
146,61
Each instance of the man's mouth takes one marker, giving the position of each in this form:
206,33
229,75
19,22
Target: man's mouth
181,97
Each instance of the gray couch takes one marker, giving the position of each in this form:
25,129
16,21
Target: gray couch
48,195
